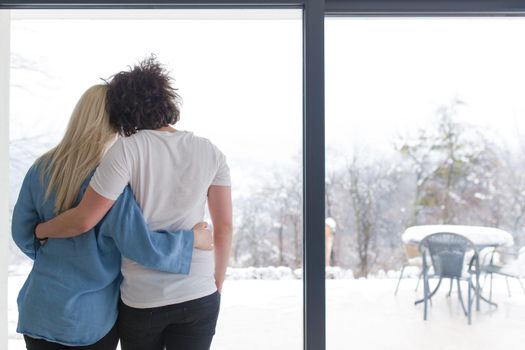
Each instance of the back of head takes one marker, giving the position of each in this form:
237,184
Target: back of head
142,98
85,141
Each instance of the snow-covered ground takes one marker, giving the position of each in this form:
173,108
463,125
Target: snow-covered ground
361,314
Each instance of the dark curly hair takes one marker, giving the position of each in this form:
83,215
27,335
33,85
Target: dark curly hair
142,98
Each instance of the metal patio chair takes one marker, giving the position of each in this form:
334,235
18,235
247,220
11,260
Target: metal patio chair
447,254
513,266
413,259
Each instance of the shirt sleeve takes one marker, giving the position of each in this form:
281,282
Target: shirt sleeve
25,218
222,176
159,250
114,172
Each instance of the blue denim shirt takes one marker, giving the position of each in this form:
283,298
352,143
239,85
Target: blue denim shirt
71,295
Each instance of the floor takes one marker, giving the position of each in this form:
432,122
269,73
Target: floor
361,314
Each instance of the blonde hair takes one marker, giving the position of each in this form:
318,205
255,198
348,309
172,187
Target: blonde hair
85,141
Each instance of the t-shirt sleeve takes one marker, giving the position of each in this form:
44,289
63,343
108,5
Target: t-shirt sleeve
114,172
222,177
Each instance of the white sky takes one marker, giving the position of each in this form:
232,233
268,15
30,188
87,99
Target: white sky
240,80
388,76
241,77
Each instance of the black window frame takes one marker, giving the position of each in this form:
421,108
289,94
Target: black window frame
314,12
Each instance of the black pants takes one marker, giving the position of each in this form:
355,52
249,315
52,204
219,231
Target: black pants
185,326
109,342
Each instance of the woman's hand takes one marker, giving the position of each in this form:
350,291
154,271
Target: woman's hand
203,236
218,284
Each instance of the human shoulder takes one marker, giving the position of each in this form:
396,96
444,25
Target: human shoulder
35,174
202,141
222,177
196,138
119,149
34,183
36,168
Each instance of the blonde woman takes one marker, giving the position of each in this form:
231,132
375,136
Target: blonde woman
70,297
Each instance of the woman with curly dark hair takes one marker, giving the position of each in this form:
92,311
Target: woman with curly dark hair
173,174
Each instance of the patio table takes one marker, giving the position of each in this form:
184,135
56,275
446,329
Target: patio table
480,236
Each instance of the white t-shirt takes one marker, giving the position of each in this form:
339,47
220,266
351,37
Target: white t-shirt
170,173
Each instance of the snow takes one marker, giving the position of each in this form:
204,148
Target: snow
361,314
477,234
261,273
282,273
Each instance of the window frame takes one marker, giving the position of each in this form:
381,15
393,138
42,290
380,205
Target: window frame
314,11
4,173
423,8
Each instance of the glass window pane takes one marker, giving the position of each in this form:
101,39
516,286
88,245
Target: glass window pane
239,73
424,127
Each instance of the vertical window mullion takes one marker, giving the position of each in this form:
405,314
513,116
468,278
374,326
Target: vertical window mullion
314,177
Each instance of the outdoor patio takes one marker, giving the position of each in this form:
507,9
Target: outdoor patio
361,314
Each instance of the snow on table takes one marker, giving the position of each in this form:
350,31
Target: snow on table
479,235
